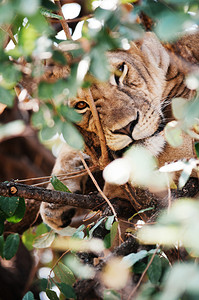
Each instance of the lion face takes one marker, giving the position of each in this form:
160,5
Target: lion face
130,103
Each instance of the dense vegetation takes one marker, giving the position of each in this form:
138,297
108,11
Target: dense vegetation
34,86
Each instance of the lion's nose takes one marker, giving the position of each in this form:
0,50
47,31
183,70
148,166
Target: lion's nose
128,129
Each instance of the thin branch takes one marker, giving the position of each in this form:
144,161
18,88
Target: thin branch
102,194
84,18
63,21
104,160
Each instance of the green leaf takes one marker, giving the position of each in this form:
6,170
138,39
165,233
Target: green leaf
51,295
67,290
113,231
139,267
173,134
48,132
9,205
107,241
10,74
49,4
154,271
2,220
196,145
95,226
109,222
27,7
47,13
70,114
179,106
99,63
6,13
6,97
58,185
28,296
79,233
45,240
111,295
27,39
140,212
132,258
45,90
30,235
11,246
1,245
59,57
64,274
19,213
72,136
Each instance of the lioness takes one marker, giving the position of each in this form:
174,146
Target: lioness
133,107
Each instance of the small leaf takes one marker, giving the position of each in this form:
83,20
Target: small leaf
28,296
9,205
109,222
140,212
47,13
6,97
51,294
19,213
94,227
155,269
184,176
67,290
58,185
111,295
72,136
107,241
132,258
197,148
64,274
70,114
11,246
179,106
45,240
113,231
173,134
48,132
45,90
1,245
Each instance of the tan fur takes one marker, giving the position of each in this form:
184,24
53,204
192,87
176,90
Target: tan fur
149,77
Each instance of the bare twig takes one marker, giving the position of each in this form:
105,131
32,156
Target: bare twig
63,21
102,194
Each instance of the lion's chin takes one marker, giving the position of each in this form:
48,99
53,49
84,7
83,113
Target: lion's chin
155,144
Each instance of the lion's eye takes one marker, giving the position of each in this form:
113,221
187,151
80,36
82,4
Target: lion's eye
120,73
81,105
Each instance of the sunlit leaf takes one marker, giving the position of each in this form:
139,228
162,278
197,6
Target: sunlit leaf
11,246
109,222
58,185
12,128
79,269
45,240
173,134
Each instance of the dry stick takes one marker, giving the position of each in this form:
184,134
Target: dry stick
143,274
104,153
102,194
50,196
84,18
63,176
63,21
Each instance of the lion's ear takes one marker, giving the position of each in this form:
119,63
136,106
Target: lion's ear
154,52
